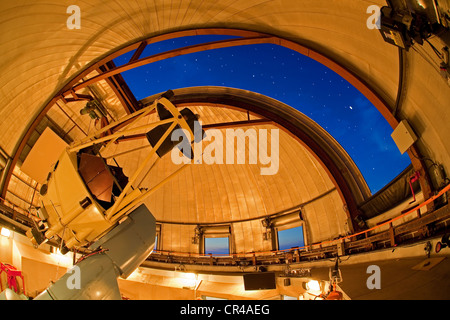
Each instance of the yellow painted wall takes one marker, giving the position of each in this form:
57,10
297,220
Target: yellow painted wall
38,275
5,250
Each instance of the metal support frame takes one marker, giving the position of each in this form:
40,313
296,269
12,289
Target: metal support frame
248,37
116,211
11,274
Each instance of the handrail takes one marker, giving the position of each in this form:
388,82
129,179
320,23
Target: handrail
328,242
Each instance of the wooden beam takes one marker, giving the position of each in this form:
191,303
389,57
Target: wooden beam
138,52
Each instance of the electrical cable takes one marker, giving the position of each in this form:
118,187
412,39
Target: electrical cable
424,159
434,49
90,254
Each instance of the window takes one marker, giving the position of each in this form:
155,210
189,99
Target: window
288,231
157,238
215,239
290,238
217,245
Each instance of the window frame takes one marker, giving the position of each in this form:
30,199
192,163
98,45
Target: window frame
158,239
217,237
222,231
290,225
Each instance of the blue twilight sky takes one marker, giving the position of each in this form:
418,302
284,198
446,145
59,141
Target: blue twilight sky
291,238
289,77
217,245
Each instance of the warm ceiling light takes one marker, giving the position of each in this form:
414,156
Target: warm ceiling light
6,232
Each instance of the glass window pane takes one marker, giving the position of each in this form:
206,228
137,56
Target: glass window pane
290,238
217,245
155,248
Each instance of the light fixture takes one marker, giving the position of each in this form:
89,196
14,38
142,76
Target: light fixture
187,280
267,235
313,286
6,232
60,257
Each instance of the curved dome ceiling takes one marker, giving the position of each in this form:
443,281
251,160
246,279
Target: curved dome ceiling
40,55
39,52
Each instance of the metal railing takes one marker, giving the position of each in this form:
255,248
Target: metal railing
418,228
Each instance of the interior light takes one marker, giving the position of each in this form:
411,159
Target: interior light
190,276
422,3
59,257
313,285
6,232
187,279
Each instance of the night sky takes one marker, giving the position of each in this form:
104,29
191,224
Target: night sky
289,77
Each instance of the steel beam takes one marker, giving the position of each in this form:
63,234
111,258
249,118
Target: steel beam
138,52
